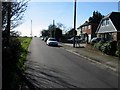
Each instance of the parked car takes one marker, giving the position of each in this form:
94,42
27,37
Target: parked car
52,42
45,39
95,40
42,38
72,39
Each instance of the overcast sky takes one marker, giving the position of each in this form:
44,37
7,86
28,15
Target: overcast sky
43,13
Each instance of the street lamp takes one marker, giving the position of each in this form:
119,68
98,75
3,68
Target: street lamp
74,22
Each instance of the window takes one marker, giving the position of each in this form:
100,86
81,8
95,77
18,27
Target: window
107,22
89,27
103,23
85,27
82,28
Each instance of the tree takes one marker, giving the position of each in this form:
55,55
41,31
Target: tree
45,33
55,31
12,16
71,33
96,18
51,27
58,34
17,10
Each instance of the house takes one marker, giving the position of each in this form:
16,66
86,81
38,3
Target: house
88,28
109,27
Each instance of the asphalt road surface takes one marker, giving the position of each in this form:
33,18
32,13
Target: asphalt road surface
54,67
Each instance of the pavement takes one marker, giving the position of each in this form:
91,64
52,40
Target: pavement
95,56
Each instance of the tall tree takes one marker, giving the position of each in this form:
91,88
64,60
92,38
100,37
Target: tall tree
70,33
96,18
45,33
15,12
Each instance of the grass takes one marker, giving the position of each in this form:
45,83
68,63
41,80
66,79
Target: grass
25,41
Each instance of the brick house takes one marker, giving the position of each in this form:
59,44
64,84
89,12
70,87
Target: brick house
88,28
109,27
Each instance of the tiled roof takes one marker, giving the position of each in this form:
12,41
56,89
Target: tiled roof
115,18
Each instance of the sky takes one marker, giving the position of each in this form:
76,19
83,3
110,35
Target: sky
42,14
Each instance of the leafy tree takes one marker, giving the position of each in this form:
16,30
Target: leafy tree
96,18
45,33
71,33
55,31
51,27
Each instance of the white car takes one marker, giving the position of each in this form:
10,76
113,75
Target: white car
52,42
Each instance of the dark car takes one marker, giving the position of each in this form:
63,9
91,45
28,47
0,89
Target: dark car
72,39
45,39
95,40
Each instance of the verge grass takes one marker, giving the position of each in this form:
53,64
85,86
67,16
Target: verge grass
25,41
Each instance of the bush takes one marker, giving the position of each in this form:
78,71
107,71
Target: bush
98,45
10,58
106,47
118,49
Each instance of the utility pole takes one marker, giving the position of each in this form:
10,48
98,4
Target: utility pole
74,23
8,21
54,27
119,6
31,28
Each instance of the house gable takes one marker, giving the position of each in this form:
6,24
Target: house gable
106,26
113,21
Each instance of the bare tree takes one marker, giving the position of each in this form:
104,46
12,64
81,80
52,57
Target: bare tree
16,10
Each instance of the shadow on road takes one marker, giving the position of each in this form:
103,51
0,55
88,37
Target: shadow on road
46,77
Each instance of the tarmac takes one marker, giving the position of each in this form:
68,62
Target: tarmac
94,56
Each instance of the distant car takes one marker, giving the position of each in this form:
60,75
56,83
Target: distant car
95,40
45,39
42,38
52,42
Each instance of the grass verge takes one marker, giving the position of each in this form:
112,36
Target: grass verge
25,41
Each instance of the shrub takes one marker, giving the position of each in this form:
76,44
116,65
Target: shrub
118,49
10,58
107,47
98,45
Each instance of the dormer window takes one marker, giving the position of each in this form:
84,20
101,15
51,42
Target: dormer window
105,22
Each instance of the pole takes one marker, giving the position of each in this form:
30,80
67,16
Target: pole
74,23
54,28
8,22
31,28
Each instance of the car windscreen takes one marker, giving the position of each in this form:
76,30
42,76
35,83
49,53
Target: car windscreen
52,39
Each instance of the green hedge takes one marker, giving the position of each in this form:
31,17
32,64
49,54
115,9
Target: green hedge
107,47
118,49
13,58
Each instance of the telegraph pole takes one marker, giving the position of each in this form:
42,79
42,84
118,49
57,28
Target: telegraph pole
8,22
31,28
74,22
119,6
54,27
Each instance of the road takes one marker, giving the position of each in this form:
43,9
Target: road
54,67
